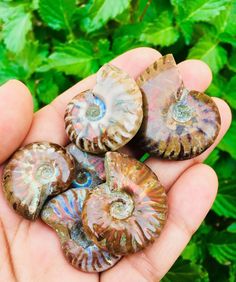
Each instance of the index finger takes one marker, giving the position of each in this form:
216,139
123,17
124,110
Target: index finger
16,114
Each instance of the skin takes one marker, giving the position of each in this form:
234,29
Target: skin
30,252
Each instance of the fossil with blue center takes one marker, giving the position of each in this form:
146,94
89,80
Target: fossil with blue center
107,116
63,214
89,169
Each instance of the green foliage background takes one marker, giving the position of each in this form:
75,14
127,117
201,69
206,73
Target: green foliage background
50,45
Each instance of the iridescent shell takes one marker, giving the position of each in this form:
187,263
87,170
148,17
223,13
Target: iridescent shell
89,169
178,124
128,212
63,214
108,116
35,172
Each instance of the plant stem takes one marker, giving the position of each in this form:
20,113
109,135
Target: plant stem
144,157
145,10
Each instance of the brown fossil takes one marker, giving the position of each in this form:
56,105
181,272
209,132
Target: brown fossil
89,169
34,172
108,116
63,214
178,124
128,212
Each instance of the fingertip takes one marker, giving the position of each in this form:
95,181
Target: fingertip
21,88
196,74
135,61
194,191
210,178
16,114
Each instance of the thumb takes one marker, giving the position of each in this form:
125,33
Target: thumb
16,114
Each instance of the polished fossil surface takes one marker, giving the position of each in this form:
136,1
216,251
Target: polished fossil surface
128,212
89,169
35,172
63,214
108,116
178,123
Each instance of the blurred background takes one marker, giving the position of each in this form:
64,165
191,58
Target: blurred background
50,45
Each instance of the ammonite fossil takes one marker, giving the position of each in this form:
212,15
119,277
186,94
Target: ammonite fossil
127,212
63,214
178,124
108,116
89,169
35,172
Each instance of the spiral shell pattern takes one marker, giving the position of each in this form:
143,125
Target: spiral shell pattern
89,169
108,116
63,214
128,212
35,172
178,124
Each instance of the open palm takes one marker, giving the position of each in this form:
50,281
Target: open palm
30,251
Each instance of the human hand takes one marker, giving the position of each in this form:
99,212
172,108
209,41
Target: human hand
30,251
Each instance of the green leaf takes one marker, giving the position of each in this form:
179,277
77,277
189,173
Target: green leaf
57,14
104,53
222,246
200,10
232,273
224,88
213,157
196,248
224,204
232,228
31,57
75,58
224,22
231,92
31,84
124,17
210,52
161,31
225,167
150,10
101,11
227,38
9,69
192,252
35,4
36,104
7,11
229,141
192,11
217,86
187,30
130,30
125,43
232,61
47,89
15,31
185,271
